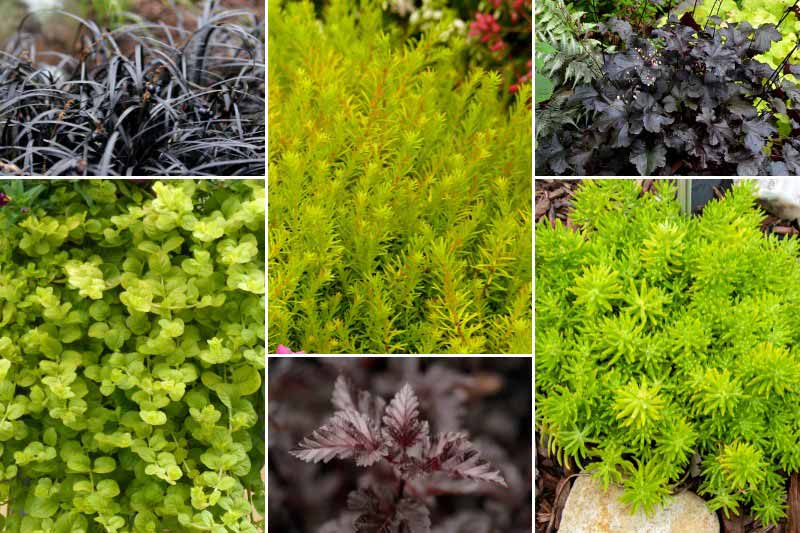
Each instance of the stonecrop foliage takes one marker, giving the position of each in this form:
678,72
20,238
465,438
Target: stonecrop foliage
667,343
131,356
684,99
146,99
399,192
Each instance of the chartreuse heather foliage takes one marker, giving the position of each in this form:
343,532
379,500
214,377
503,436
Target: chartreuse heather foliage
399,193
662,338
131,357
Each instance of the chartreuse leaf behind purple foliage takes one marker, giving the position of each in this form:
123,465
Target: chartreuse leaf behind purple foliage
400,217
666,343
368,431
132,356
684,100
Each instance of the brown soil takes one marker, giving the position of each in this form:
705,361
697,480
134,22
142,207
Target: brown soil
58,34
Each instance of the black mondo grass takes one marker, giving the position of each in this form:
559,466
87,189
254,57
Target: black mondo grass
143,99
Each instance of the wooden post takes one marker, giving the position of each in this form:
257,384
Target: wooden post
685,195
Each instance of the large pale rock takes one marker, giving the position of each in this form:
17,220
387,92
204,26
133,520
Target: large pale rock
780,197
591,510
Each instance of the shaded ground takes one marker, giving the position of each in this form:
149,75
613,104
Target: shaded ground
59,33
553,201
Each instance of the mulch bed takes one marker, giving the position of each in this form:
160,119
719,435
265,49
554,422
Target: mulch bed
59,33
553,201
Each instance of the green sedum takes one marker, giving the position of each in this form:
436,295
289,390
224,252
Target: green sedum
400,216
667,343
132,357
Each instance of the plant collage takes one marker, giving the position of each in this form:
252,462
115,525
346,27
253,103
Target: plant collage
266,265
400,266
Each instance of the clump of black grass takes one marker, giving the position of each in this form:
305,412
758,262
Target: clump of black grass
144,99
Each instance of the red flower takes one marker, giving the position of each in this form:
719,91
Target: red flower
485,27
498,45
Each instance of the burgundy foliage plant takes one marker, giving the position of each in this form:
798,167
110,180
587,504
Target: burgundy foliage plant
400,438
436,446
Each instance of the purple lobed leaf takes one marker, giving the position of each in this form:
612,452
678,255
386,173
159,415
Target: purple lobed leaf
380,512
764,36
413,514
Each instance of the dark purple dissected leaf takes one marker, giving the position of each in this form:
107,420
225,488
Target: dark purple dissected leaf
648,160
374,514
379,512
706,116
718,132
348,434
452,453
764,36
343,394
402,426
347,397
413,514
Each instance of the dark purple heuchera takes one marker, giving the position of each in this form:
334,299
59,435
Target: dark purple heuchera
365,429
683,101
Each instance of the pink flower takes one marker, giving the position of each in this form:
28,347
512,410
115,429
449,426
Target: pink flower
484,26
525,78
498,45
283,350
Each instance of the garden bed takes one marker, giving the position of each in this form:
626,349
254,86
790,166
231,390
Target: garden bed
669,89
554,207
182,95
